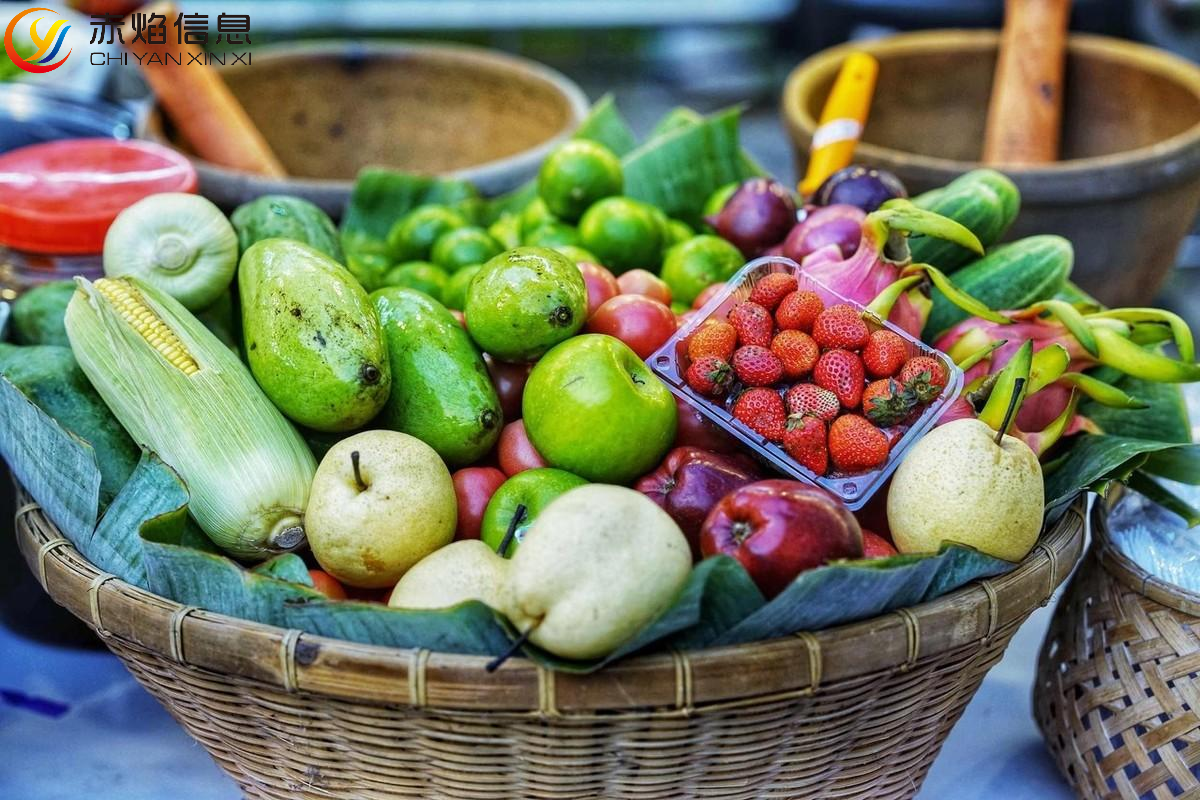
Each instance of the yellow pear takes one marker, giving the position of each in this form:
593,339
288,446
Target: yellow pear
460,571
598,564
958,485
380,502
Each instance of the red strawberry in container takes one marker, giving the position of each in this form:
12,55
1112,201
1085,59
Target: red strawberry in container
855,445
925,376
841,327
757,366
804,439
799,310
753,324
808,398
710,376
797,352
713,338
885,353
772,288
761,410
888,402
841,372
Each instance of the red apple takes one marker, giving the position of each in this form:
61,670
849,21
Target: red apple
516,452
327,585
875,546
601,285
639,281
474,487
778,529
509,380
690,481
696,430
709,292
638,321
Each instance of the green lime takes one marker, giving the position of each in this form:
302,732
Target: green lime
368,268
455,293
677,231
412,237
692,266
576,253
420,275
534,216
717,200
506,231
462,246
577,174
552,234
624,233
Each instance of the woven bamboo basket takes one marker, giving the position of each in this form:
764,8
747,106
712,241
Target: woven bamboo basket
858,711
1118,686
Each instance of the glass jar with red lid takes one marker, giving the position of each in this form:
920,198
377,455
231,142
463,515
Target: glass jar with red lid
58,198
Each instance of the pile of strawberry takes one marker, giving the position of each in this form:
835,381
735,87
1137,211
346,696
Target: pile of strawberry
815,380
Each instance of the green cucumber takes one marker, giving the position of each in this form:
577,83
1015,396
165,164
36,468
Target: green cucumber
277,216
1012,276
50,378
37,315
982,200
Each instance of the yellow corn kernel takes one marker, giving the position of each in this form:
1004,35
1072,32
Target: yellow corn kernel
129,303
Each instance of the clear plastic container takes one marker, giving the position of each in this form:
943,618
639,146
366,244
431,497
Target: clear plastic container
670,363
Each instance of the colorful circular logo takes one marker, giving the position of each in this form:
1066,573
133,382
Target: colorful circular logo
48,42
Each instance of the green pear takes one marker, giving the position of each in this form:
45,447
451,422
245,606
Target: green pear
460,571
599,563
959,484
380,502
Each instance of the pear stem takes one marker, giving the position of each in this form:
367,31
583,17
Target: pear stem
509,534
362,485
512,650
1013,402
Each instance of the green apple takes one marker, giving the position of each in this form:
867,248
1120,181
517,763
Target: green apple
530,491
592,407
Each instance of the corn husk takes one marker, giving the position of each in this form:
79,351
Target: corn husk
198,408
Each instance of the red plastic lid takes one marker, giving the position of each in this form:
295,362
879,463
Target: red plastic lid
60,197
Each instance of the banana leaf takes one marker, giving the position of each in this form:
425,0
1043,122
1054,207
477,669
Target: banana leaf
1164,420
1095,461
382,196
286,567
467,629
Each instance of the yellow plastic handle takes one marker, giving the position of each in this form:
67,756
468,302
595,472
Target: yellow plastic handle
842,120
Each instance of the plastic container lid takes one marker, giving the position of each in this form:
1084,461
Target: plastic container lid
60,197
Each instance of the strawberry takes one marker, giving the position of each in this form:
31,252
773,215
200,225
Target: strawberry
757,366
713,338
884,354
804,440
808,398
841,372
841,327
855,444
887,402
798,311
753,323
797,351
772,288
761,410
709,375
925,376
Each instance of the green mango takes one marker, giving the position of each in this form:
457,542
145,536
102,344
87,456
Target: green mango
37,315
441,391
49,377
455,294
311,336
525,301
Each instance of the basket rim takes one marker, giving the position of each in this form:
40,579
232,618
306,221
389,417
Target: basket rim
1131,575
698,681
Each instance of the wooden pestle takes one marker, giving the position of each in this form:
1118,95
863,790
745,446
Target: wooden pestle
1024,119
199,103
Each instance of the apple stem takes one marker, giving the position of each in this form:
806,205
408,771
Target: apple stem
512,650
509,534
362,485
1013,402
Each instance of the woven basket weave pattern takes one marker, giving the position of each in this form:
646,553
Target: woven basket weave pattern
854,712
1118,687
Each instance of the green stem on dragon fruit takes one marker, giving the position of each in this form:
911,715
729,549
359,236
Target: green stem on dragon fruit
1072,320
957,296
513,648
975,357
517,518
1103,393
1009,389
1049,364
1180,331
1120,353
